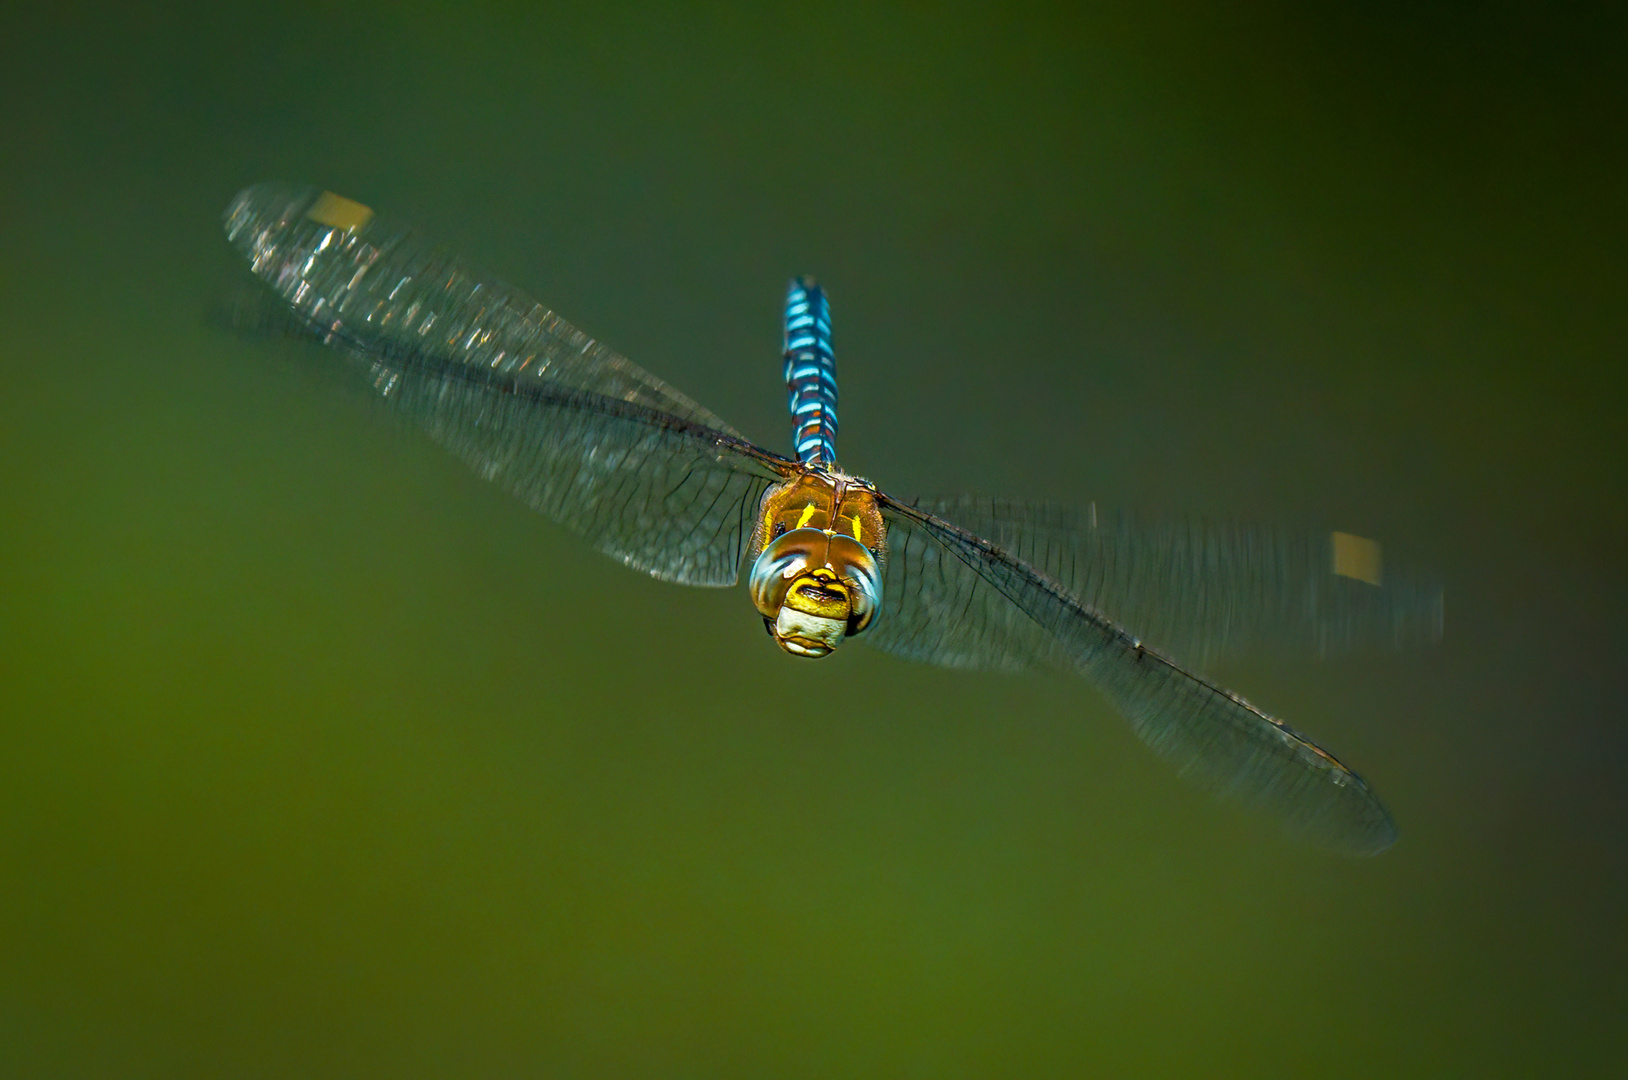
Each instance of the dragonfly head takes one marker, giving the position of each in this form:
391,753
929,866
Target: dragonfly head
815,588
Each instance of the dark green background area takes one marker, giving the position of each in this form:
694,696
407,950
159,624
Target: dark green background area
318,757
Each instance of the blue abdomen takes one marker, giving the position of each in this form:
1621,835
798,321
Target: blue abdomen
811,373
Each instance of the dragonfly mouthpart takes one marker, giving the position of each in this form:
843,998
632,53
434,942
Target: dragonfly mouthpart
802,634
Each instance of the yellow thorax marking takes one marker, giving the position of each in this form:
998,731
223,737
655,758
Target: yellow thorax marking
857,533
808,512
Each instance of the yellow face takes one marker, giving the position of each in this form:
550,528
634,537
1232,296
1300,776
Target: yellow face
814,588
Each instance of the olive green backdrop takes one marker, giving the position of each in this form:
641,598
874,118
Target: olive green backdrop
320,758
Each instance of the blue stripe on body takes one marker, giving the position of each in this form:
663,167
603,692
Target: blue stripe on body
811,372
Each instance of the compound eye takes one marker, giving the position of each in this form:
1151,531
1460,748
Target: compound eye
858,568
782,560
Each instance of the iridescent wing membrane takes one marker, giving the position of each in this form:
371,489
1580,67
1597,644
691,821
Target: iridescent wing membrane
1208,590
656,481
570,427
954,597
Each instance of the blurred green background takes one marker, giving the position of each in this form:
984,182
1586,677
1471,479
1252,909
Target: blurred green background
318,757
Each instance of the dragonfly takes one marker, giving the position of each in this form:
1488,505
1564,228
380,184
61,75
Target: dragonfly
656,481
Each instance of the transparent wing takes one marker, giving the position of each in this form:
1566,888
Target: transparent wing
953,597
1205,590
576,431
338,264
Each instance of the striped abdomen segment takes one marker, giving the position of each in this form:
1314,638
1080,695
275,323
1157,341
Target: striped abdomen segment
811,372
